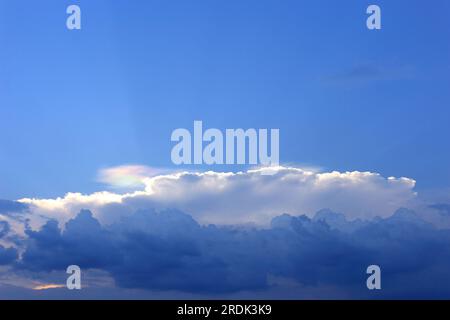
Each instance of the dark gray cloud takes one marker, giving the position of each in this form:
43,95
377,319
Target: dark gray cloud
83,242
169,250
7,255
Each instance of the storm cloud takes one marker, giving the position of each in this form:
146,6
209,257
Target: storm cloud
169,250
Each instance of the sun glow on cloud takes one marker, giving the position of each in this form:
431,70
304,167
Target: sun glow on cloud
126,176
107,231
231,198
48,287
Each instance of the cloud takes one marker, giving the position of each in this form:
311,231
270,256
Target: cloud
126,176
48,286
243,197
169,250
7,255
442,208
212,234
369,72
83,241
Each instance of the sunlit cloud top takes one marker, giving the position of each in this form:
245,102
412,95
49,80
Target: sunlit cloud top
230,198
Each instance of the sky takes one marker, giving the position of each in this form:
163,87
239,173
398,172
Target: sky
344,97
86,118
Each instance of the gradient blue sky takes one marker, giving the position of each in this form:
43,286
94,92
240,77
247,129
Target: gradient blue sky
344,97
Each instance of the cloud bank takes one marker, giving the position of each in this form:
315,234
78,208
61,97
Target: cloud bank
247,234
169,250
243,197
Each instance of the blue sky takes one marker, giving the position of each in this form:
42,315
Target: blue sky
364,149
344,97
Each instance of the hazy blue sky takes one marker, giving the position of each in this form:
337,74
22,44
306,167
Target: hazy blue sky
343,97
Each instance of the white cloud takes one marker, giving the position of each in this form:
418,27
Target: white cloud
244,197
126,176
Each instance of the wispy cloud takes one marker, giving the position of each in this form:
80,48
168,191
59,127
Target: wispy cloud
365,73
127,176
48,286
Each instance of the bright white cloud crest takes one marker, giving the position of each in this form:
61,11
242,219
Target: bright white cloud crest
244,197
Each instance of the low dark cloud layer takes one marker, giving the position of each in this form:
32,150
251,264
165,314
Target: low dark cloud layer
7,255
169,250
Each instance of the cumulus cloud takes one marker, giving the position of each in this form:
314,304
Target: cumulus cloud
217,233
243,197
169,250
83,241
7,255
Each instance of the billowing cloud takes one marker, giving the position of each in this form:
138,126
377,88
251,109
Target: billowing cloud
243,197
212,233
7,255
169,250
